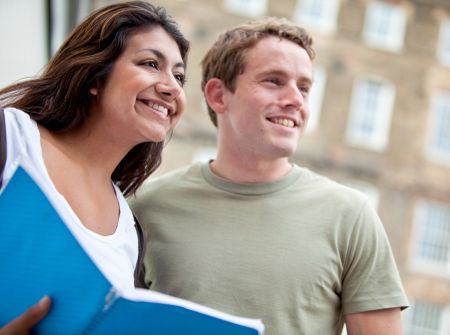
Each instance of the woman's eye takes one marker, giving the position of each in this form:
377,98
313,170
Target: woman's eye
151,63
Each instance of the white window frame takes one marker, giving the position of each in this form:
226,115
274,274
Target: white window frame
419,262
439,128
385,26
316,97
318,15
411,328
378,139
251,8
444,42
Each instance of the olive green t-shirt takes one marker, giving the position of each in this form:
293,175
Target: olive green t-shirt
298,253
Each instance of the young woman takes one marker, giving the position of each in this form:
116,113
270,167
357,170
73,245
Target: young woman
92,127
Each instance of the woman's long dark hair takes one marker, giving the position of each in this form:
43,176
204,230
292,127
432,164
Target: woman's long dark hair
59,99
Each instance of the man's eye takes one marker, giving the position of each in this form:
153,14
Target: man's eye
304,89
181,78
274,81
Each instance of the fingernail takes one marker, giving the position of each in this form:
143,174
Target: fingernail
43,301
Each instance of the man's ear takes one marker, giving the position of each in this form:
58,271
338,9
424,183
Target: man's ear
214,92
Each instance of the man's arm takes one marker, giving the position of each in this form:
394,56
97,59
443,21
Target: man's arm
378,322
23,324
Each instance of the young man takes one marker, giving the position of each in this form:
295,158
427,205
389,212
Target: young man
254,235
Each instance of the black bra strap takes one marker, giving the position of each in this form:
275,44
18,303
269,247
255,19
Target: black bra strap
2,144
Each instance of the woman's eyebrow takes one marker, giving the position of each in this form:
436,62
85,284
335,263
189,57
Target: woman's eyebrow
162,57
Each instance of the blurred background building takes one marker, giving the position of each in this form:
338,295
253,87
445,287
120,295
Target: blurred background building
380,110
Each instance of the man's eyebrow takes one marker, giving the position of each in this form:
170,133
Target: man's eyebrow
272,73
162,57
310,81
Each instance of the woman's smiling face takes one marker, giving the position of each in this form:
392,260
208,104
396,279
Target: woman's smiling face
143,97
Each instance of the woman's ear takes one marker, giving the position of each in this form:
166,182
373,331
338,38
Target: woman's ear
215,92
93,91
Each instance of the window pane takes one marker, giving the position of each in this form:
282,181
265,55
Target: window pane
444,43
424,319
370,114
253,8
320,15
433,242
316,97
385,26
439,143
372,92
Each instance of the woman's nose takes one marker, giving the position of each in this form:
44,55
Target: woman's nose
168,86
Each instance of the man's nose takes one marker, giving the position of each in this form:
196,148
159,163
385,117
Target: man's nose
293,96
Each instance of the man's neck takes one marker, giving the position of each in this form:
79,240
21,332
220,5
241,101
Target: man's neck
262,171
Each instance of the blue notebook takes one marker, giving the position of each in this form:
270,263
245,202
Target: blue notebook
39,256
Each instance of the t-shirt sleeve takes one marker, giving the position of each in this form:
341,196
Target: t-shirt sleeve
371,279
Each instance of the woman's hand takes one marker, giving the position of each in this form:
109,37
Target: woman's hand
23,323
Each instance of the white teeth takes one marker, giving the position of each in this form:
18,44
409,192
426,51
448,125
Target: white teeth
284,122
159,108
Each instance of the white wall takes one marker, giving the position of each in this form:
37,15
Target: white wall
22,39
